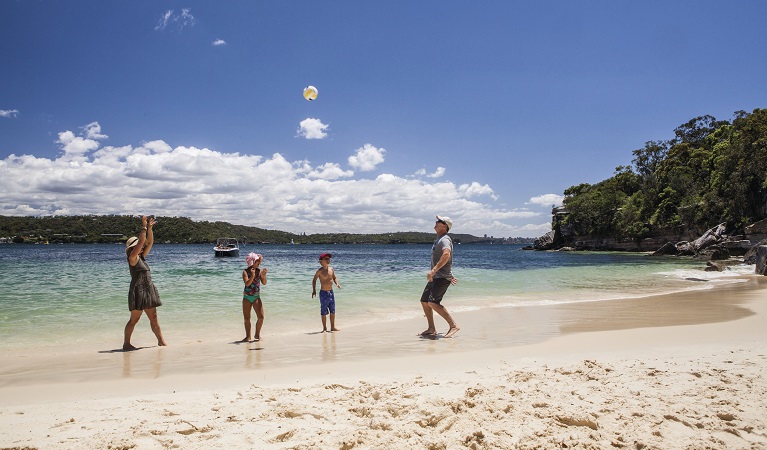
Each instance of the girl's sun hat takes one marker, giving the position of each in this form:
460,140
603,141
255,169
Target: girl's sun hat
252,258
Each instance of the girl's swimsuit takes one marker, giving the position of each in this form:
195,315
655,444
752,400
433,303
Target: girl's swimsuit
252,292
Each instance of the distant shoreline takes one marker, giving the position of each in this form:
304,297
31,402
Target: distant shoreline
182,230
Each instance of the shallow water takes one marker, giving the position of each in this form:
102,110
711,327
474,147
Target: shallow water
64,295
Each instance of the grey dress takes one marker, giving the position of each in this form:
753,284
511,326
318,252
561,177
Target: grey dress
142,294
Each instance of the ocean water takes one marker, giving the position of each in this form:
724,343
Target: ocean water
71,296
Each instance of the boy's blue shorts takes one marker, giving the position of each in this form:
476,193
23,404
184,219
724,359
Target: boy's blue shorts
327,303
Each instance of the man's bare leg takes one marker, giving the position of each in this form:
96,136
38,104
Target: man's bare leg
442,311
431,330
324,323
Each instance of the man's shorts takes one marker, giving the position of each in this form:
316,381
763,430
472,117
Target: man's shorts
435,290
327,303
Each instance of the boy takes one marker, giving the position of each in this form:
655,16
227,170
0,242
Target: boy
327,277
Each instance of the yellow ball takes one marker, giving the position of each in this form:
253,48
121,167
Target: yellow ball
310,93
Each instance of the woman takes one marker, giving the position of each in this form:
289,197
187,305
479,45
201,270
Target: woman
253,277
142,296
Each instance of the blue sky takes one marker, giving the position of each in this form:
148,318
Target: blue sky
483,111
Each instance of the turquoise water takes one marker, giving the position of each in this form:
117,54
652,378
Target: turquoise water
76,295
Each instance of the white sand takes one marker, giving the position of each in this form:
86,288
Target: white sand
676,372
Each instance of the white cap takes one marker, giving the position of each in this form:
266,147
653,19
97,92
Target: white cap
448,221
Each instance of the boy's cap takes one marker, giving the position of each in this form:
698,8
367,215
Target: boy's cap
325,255
448,221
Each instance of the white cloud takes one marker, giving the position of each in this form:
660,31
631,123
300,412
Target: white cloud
268,191
437,173
76,145
218,42
476,189
312,129
367,157
329,171
157,146
175,20
547,200
93,131
9,113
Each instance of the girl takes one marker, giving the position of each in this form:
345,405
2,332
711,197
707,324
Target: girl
253,277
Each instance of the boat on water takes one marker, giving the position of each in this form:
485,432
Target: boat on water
227,247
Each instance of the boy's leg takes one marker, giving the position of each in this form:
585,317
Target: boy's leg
333,322
332,309
324,309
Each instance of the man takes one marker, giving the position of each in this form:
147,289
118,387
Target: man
439,278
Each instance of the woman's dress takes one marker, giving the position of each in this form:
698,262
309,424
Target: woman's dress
142,294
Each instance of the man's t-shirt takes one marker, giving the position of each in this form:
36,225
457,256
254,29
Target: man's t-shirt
439,246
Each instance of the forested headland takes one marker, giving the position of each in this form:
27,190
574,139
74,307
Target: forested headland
183,230
711,172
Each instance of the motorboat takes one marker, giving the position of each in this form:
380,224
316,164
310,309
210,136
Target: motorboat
227,247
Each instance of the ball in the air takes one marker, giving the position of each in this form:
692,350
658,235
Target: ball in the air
310,93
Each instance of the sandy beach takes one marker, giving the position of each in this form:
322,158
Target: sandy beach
684,371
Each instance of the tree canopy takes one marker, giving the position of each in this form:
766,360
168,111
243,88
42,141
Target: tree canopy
711,172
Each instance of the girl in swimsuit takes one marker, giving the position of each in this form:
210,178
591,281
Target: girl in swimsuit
253,277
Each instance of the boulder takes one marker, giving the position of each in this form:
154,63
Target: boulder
545,242
737,247
757,228
713,236
761,260
713,253
750,256
709,238
667,249
720,266
684,248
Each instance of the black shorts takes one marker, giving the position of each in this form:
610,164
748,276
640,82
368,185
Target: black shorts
435,290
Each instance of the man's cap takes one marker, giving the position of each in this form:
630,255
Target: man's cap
448,221
325,255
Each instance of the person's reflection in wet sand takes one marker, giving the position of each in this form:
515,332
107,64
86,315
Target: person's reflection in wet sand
328,346
154,371
253,355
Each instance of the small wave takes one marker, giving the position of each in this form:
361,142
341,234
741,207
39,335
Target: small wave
731,274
